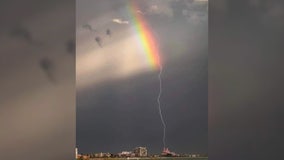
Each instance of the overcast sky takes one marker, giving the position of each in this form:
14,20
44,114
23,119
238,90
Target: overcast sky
246,79
37,68
117,89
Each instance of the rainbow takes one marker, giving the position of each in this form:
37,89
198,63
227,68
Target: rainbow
146,38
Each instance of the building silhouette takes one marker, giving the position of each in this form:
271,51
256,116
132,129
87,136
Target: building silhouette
140,152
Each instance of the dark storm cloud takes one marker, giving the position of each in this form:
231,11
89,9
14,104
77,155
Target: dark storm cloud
101,7
245,79
121,114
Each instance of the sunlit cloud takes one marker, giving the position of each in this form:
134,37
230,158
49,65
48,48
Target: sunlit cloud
120,21
118,60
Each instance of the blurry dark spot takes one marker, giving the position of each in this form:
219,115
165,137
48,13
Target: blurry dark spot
71,46
99,41
47,67
45,63
89,27
21,32
108,32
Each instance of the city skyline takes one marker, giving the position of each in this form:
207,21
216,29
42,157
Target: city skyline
137,152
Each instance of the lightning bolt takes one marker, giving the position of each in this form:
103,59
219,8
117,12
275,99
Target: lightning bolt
159,106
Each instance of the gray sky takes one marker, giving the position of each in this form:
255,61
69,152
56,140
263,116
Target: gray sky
37,98
246,79
117,89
